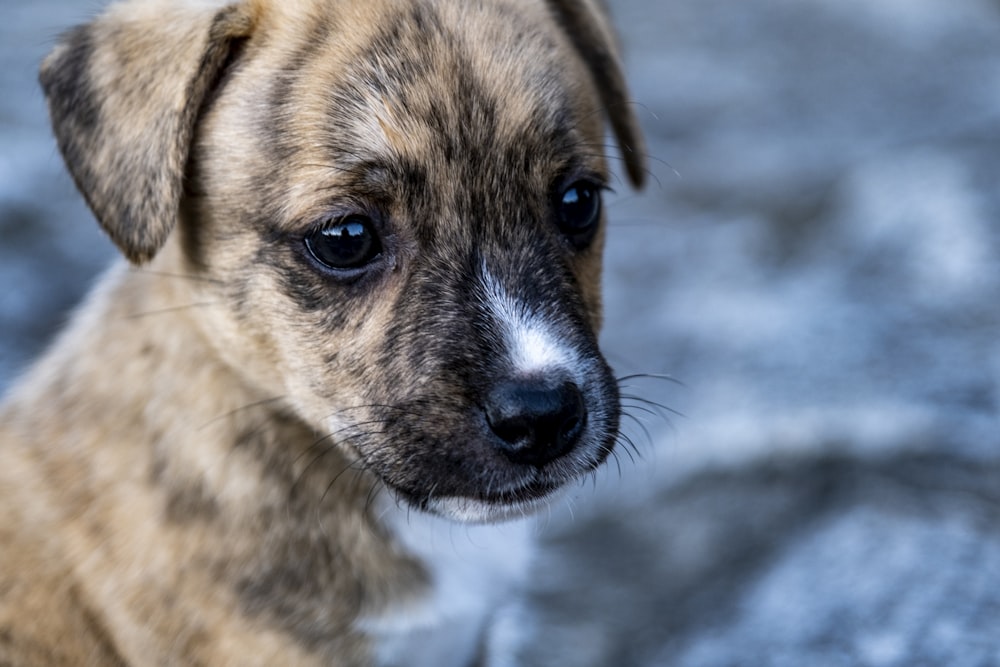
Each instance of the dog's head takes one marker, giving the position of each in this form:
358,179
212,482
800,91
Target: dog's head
394,208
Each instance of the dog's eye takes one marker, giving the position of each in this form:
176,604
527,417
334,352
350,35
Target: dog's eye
349,243
579,210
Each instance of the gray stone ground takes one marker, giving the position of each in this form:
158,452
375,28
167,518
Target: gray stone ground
816,261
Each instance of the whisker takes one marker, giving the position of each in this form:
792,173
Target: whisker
646,156
642,408
380,406
372,494
334,434
173,309
614,453
611,152
663,410
359,467
608,451
180,276
629,444
651,376
351,463
248,406
639,422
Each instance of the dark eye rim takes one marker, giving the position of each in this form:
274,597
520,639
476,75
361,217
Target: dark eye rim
344,274
582,238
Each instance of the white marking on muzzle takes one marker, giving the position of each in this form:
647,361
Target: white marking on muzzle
531,341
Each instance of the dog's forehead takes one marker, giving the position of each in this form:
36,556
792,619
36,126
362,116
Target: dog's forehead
451,66
464,86
428,51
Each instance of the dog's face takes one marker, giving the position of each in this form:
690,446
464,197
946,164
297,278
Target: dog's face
396,207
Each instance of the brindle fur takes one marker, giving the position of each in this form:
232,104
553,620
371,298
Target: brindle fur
170,488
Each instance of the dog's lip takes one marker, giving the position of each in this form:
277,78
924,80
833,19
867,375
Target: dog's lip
470,510
490,510
486,508
532,492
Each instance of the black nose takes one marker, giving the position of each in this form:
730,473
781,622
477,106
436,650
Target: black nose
536,420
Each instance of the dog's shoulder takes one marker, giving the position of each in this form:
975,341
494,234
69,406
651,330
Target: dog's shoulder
43,618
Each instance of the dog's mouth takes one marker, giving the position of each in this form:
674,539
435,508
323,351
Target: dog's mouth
475,464
488,508
499,491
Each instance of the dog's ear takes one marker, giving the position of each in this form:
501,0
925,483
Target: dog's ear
587,26
124,94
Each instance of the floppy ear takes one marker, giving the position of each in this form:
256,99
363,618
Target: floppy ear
588,28
124,94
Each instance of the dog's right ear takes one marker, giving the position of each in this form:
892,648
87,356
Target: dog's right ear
124,94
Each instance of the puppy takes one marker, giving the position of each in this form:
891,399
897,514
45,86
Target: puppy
365,241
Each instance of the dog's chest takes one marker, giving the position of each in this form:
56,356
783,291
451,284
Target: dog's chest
474,571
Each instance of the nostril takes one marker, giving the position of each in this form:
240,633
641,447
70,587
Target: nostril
573,426
536,421
512,429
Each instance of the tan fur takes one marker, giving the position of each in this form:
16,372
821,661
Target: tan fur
165,479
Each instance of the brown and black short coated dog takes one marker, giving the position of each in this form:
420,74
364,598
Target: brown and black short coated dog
365,241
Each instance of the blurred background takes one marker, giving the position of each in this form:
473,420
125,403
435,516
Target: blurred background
814,264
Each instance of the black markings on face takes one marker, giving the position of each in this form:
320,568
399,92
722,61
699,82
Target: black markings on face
191,502
70,85
417,31
282,94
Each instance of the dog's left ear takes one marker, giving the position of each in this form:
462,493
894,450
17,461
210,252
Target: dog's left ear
124,94
587,26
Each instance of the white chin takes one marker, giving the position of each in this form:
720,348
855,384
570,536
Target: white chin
469,510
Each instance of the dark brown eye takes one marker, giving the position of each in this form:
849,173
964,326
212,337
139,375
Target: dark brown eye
579,212
346,244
